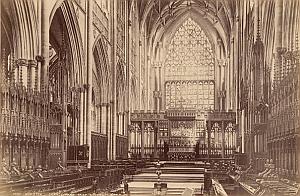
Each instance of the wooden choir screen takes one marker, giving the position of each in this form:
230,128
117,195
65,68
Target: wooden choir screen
163,137
135,138
142,140
216,140
122,147
230,139
149,140
222,139
99,146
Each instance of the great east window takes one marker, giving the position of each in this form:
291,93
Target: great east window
189,69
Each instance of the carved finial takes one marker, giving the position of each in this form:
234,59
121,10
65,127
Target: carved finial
13,67
297,42
258,24
3,68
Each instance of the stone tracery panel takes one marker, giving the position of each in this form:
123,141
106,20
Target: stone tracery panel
189,69
190,53
190,94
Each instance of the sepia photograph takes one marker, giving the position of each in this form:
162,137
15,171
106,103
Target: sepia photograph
150,97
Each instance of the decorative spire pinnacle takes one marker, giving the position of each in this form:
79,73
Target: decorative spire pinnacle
258,24
297,42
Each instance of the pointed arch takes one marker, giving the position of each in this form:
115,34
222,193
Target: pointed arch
23,22
189,68
74,37
102,68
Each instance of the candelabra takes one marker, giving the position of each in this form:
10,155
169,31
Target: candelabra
160,188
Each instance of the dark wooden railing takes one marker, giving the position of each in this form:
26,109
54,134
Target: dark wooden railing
215,152
103,176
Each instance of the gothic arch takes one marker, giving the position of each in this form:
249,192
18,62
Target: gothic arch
102,68
133,52
23,22
121,85
74,37
7,37
165,33
189,69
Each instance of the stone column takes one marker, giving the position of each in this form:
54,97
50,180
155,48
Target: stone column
89,65
117,123
120,120
81,116
37,76
279,155
44,45
231,75
148,79
1,139
160,87
103,118
159,76
278,40
120,116
30,73
297,160
157,87
227,83
21,63
218,86
294,156
124,124
97,118
127,129
243,132
113,99
109,131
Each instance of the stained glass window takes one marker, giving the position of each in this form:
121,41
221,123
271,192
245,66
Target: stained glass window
189,69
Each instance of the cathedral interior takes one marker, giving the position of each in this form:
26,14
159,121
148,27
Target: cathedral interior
150,97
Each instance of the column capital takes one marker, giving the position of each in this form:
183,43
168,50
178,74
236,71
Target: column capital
39,58
221,62
86,86
32,63
219,41
104,104
281,50
222,93
81,89
157,64
157,94
21,63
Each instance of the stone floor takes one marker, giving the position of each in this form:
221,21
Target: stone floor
178,179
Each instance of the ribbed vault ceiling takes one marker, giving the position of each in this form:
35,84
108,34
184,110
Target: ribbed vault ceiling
159,16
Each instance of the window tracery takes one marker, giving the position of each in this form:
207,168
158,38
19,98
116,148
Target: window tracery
189,69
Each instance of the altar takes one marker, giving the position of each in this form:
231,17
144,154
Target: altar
184,132
181,153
